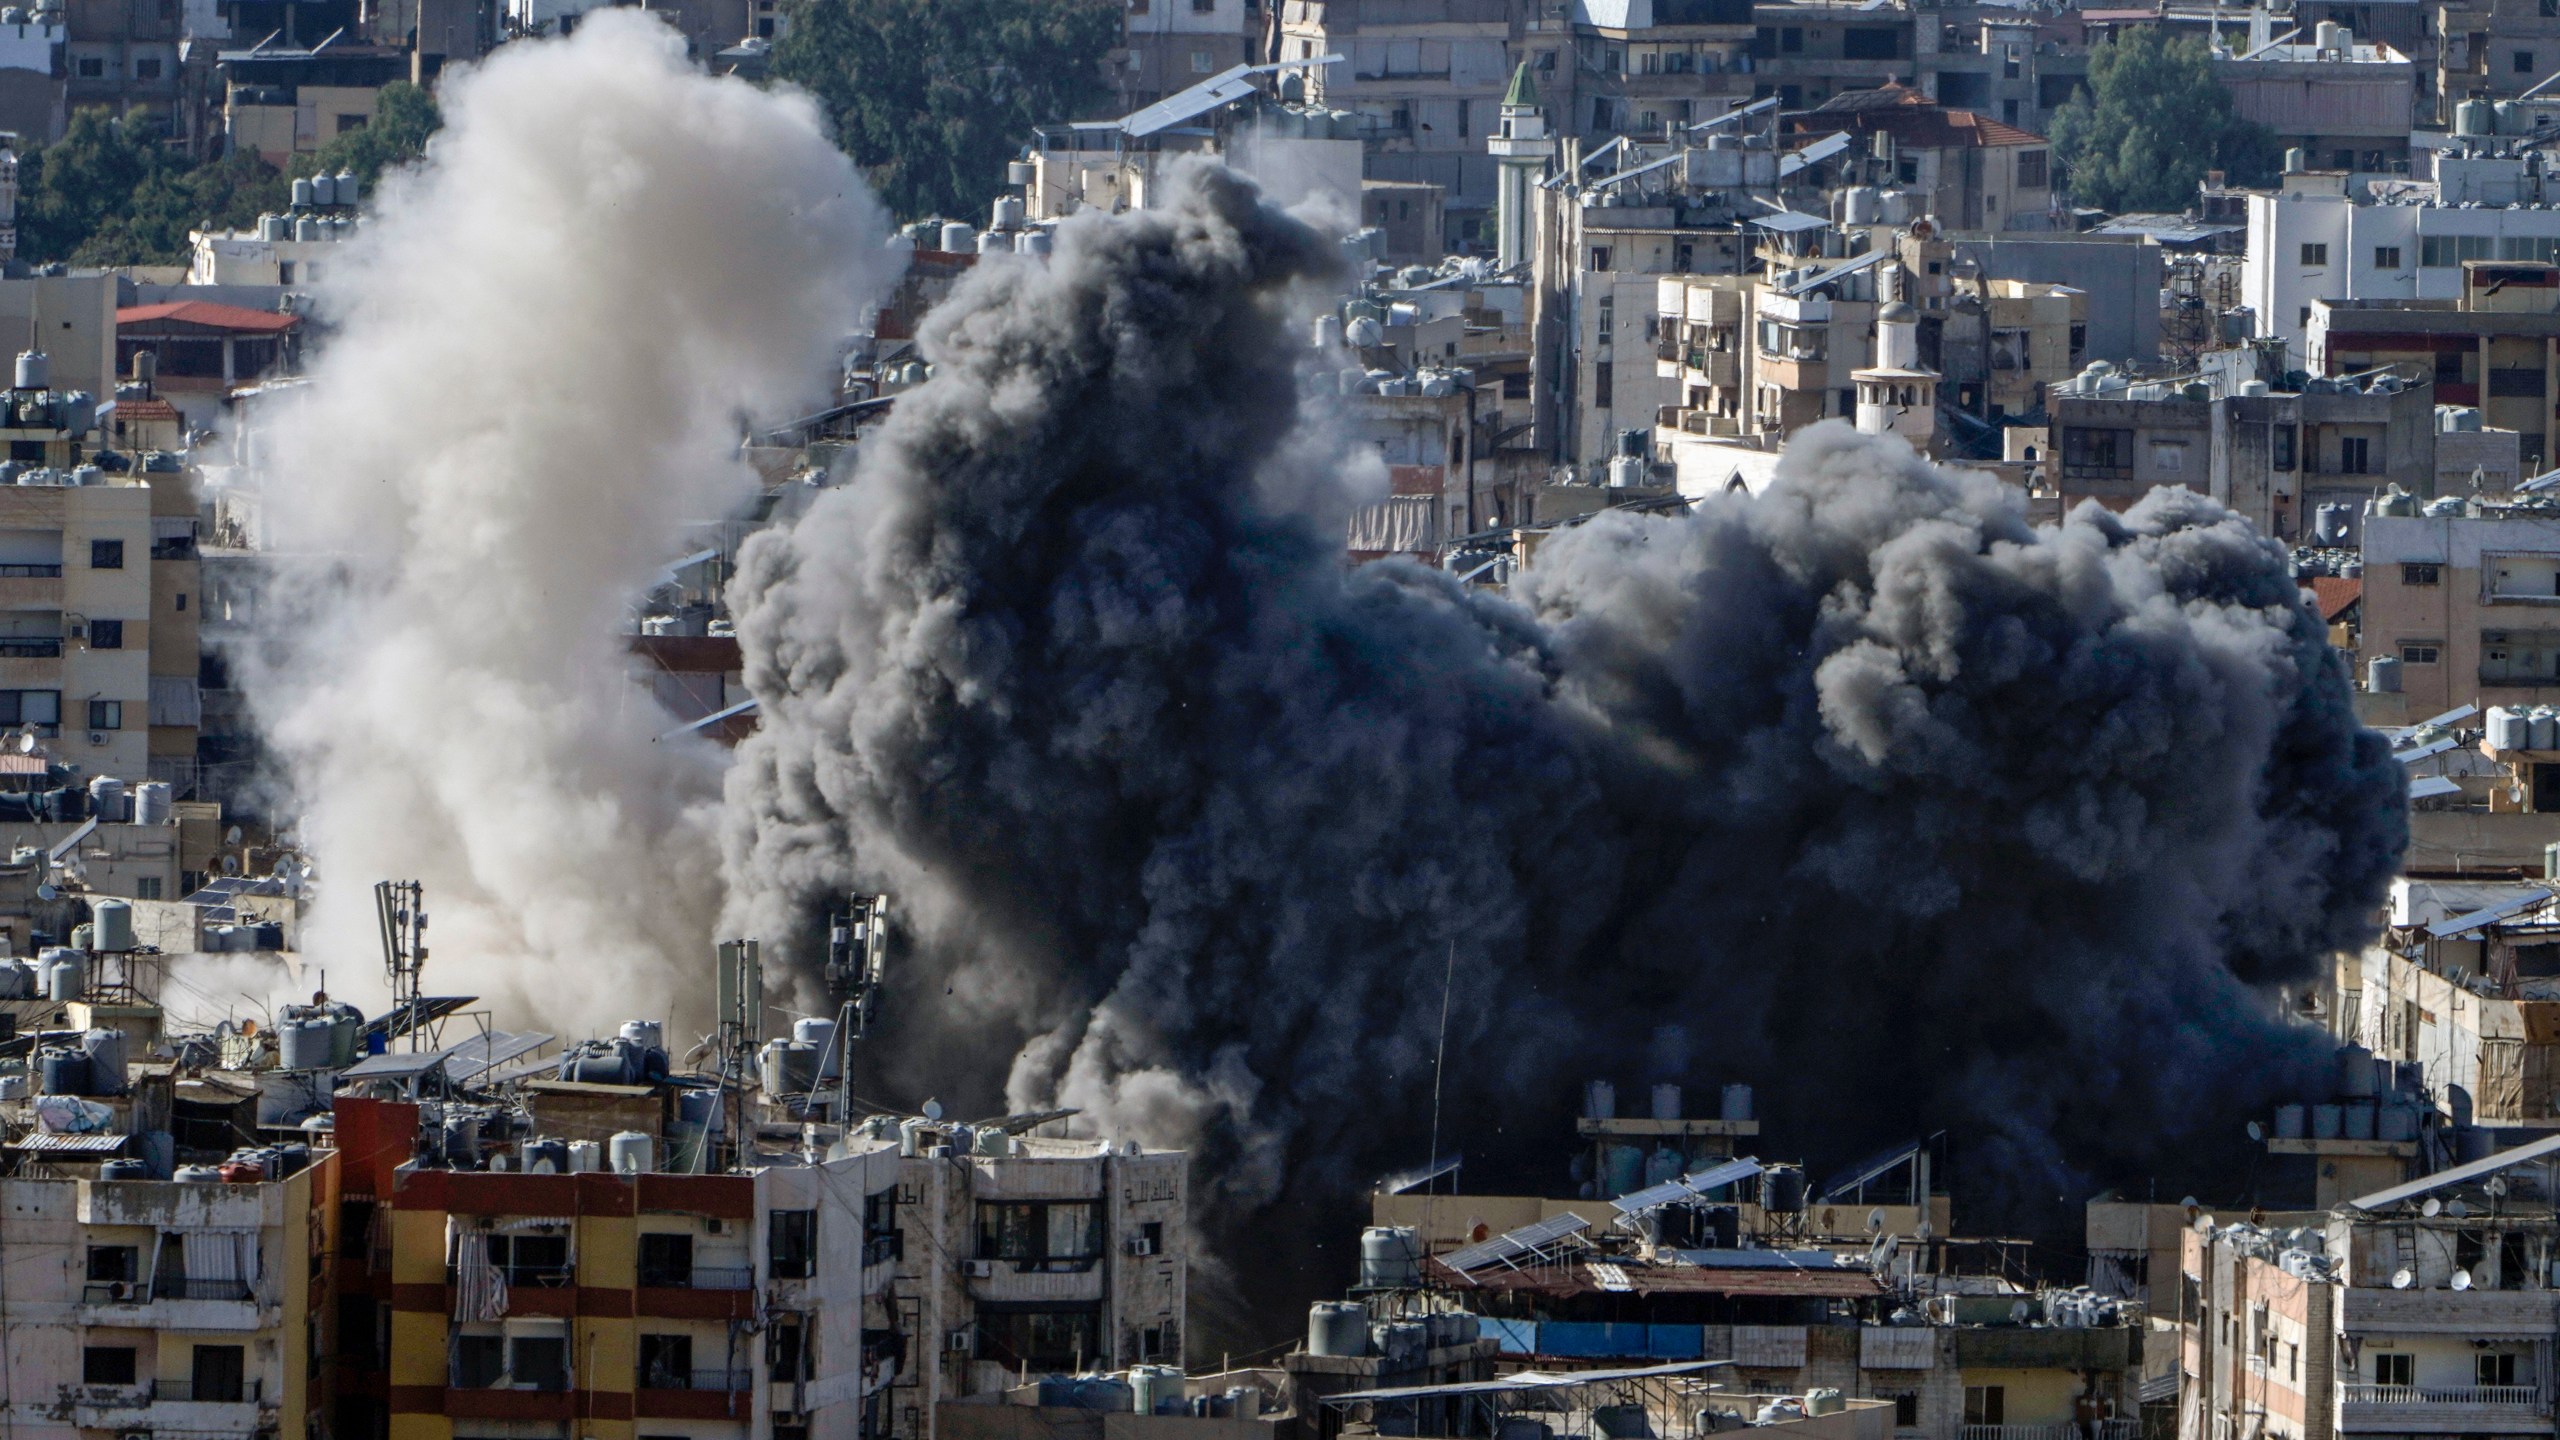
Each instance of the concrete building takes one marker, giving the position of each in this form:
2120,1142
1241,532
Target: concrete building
1167,46
2314,240
2495,348
1968,172
1426,80
2424,1309
2345,101
72,318
282,103
201,353
2458,597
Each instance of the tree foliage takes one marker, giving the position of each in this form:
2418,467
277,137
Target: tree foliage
932,97
2152,122
404,118
110,193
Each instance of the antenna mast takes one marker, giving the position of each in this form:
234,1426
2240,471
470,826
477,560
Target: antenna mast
400,903
740,1017
857,955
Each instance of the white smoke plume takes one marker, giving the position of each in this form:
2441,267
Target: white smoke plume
546,340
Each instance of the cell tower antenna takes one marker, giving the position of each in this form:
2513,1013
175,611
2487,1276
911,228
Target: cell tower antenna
857,958
401,904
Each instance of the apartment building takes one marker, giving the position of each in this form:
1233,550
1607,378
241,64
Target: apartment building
76,594
156,1306
125,58
2317,238
1171,45
2274,456
282,103
2490,50
2425,1309
2493,348
173,706
2460,597
2346,102
1641,65
1426,78
1967,172
600,1303
2472,1007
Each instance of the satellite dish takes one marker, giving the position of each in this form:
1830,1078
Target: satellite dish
1886,1249
231,836
2204,1224
2461,1279
933,1109
1923,1230
2019,1310
2456,1209
2497,1186
48,891
230,864
2402,1278
2432,1208
27,743
2190,1204
2257,1131
1875,1221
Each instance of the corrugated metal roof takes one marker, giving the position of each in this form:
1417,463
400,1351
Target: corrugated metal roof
1527,1380
2458,1175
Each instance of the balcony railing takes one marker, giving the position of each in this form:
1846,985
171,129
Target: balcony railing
731,1381
29,649
203,1290
229,1392
543,1277
2525,1395
724,1277
553,1384
2127,1429
30,572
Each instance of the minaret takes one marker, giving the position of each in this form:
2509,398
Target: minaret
1520,145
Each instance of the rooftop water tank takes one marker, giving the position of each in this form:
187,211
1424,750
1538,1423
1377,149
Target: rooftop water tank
2292,1122
324,189
819,1034
2474,117
585,1156
272,228
306,228
1008,212
1666,1102
66,978
302,192
2356,1122
33,370
994,242
111,923
1020,172
350,189
630,1153
2355,1072
105,1049
2326,1121
1736,1103
2382,675
1031,242
2545,728
959,238
63,1070
1390,1257
153,802
306,1042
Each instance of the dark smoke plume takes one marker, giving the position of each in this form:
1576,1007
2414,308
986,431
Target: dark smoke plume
1910,812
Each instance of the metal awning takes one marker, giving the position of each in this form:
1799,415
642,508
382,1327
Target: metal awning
1787,222
1527,1381
1813,154
394,1066
42,1143
2459,1175
1688,1187
1224,88
1845,267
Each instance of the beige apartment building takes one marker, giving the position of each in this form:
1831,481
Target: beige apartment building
2470,603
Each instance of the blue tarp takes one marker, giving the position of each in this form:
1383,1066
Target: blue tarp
1518,1337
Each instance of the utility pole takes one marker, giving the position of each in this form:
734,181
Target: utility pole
400,903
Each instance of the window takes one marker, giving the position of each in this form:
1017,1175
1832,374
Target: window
40,708
2386,257
284,272
92,68
2524,62
531,1259
2315,254
1790,40
2413,652
146,887
2494,1369
1986,1404
2169,457
1600,257
1203,63
2445,252
666,1260
1038,1339
2280,441
113,1364
539,1362
106,554
479,1361
2390,1369
1906,1410
106,634
2031,166
787,1348
1603,377
111,1263
793,1242
2355,454
1037,1231
146,69
2421,575
666,1361
182,601
106,714
1606,321
2085,448
1515,385
219,1373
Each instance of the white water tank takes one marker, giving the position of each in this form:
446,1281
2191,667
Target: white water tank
1008,212
1390,1257
113,926
1737,1103
958,237
324,189
630,1152
585,1156
1666,1102
154,801
33,370
647,1034
1337,1328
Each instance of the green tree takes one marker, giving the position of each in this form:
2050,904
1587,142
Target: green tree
2152,122
404,118
932,97
110,193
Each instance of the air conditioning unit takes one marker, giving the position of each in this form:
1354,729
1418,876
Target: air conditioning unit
964,1339
97,738
982,1269
119,1291
1140,1245
711,1226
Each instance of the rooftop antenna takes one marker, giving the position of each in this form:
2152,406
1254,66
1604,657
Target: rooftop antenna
741,1017
401,906
857,958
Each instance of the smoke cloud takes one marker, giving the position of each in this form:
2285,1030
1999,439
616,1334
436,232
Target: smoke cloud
1908,811
546,339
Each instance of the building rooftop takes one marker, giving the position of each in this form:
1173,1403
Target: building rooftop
209,315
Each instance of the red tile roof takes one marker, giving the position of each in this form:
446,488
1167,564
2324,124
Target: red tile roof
2335,596
207,314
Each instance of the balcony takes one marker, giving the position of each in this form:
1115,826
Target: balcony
2467,1409
43,648
169,1406
2107,1430
700,1277
235,1392
694,1394
883,1248
31,592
